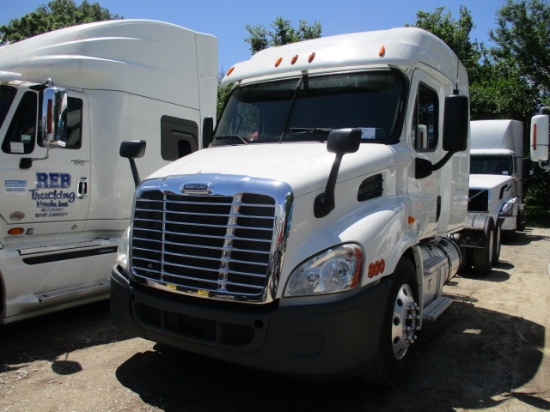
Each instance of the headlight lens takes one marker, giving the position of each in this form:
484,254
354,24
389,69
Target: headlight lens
123,250
334,270
508,207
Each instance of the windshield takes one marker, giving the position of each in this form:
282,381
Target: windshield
491,165
306,109
7,93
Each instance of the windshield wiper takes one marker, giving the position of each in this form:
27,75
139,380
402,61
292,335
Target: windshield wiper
291,108
232,137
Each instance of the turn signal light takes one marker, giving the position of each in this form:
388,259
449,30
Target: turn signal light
16,231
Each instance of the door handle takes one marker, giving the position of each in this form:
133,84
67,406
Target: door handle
82,189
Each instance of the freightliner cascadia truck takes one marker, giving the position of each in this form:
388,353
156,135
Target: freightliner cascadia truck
67,100
313,237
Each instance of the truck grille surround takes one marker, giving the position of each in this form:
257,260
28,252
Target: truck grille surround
211,236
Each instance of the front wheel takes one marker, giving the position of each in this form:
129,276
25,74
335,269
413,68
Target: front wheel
400,324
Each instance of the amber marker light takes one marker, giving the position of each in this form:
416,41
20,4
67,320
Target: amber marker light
294,59
278,61
230,71
16,231
382,51
411,220
311,57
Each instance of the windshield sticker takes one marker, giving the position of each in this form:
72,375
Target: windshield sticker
51,194
15,186
368,133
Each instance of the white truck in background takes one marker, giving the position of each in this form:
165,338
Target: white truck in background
495,201
66,195
539,137
316,233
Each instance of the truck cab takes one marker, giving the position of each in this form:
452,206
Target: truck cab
68,98
314,236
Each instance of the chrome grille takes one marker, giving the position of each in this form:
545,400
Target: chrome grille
208,245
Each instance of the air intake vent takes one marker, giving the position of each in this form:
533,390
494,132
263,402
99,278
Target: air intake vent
370,188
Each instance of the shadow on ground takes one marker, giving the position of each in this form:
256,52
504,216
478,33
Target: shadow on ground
472,358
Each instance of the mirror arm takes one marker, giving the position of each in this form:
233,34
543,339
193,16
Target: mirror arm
324,203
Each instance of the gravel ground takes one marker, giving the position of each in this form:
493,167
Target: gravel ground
490,352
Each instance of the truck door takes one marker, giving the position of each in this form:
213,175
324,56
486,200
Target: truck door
52,189
425,130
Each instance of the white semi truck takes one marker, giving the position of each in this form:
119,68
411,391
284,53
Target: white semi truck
495,204
539,137
315,235
67,100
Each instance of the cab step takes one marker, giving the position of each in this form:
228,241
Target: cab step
436,308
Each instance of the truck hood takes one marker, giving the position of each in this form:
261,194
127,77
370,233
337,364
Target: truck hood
304,166
489,181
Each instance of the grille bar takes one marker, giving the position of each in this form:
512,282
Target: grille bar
226,246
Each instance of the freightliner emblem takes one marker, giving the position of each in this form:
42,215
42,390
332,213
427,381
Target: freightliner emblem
196,188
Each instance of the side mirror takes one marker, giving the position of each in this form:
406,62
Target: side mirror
207,131
133,149
54,116
539,137
456,121
53,121
340,142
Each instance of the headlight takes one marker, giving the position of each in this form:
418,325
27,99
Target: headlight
334,270
123,250
508,207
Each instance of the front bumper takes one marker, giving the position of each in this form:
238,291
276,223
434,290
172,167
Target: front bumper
321,341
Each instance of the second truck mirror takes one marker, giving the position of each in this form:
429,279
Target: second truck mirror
456,123
133,149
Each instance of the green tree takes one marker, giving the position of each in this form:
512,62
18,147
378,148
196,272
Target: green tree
523,40
283,33
55,15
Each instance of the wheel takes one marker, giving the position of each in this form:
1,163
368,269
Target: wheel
400,324
497,244
482,259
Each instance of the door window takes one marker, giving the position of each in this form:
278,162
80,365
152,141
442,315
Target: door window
425,124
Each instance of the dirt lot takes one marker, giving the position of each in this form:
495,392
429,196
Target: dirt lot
490,351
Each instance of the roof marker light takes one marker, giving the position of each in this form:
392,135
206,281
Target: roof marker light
294,59
311,57
382,51
278,61
230,71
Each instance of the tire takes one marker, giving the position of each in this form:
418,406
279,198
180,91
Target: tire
482,259
393,357
497,244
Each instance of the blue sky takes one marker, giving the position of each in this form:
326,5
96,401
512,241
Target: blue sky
227,19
